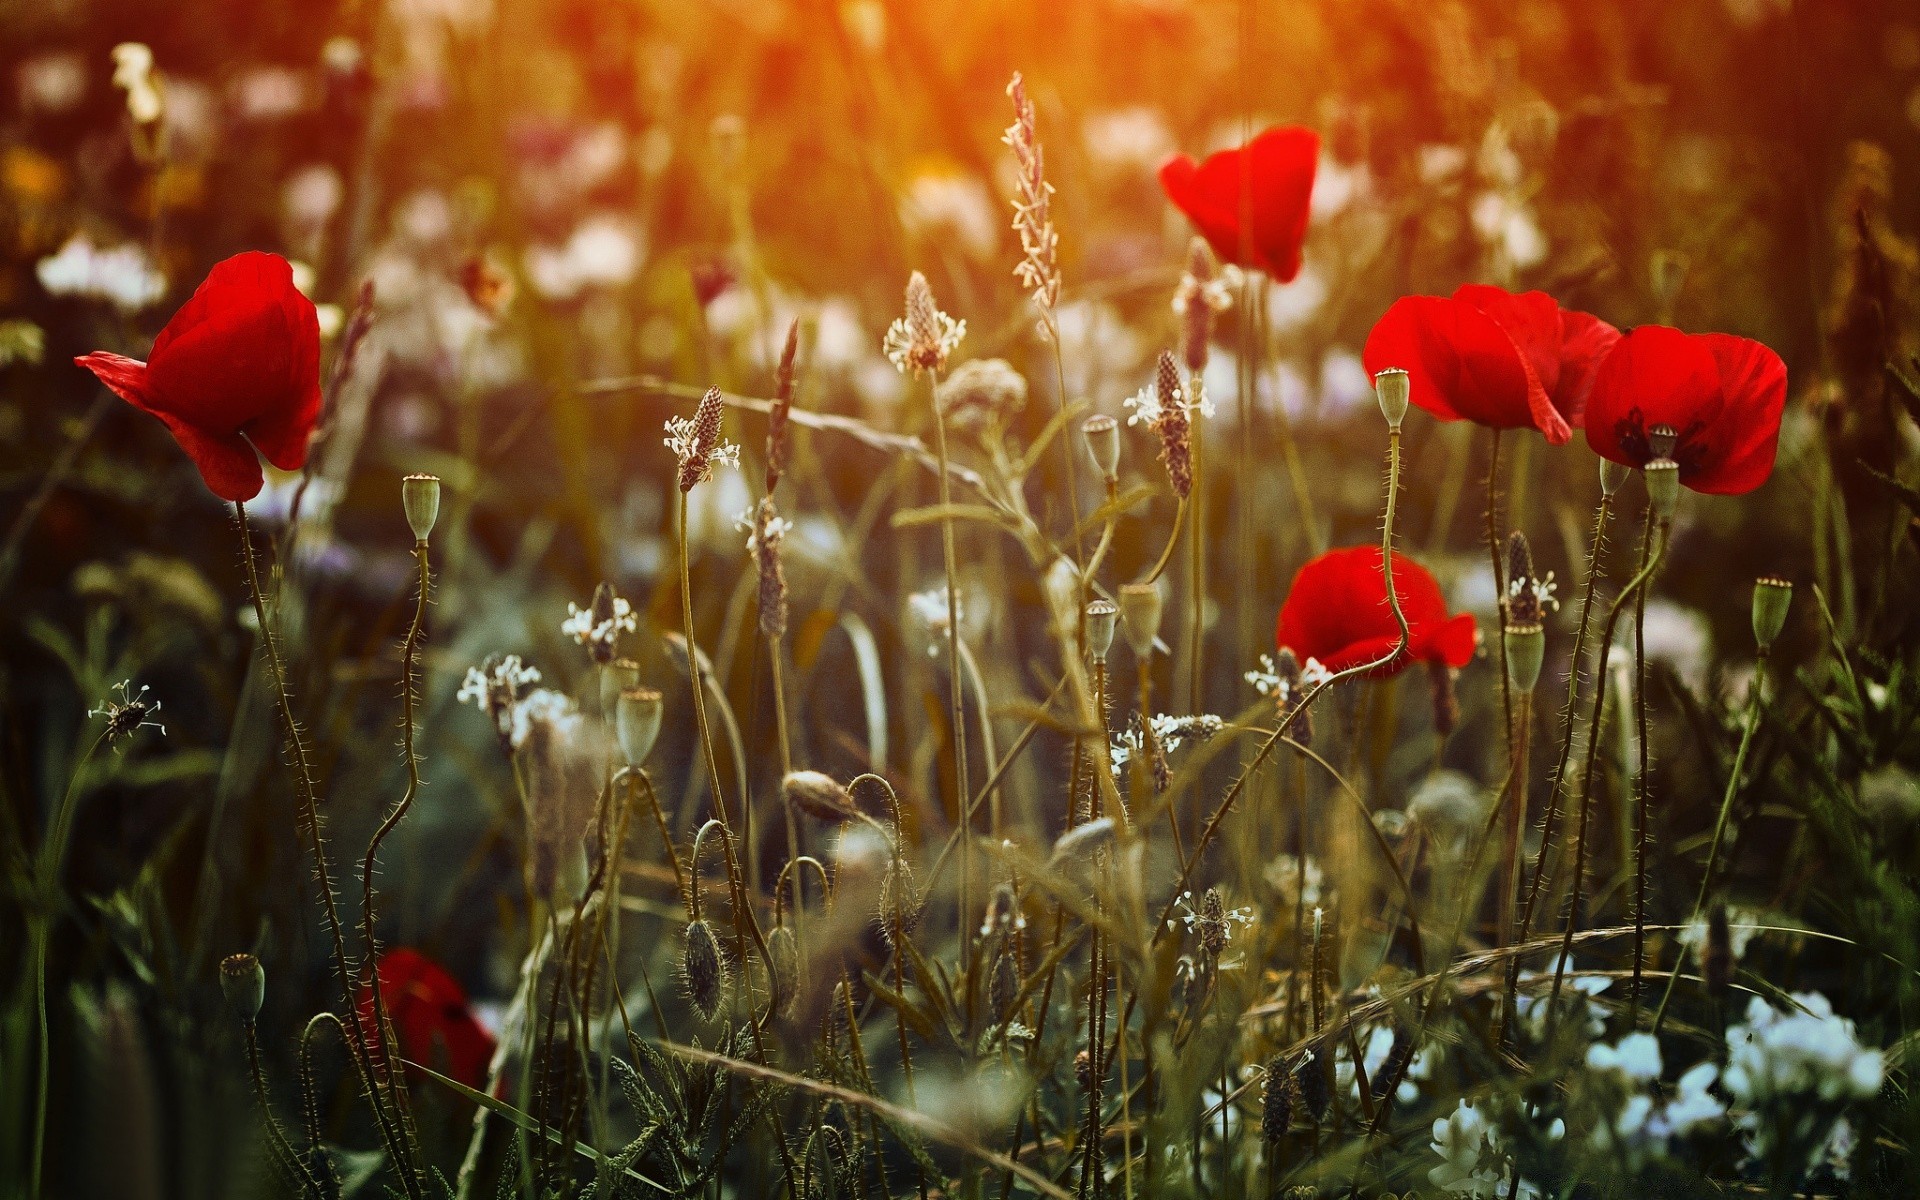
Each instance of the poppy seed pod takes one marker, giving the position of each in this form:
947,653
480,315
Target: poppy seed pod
819,795
1663,486
1140,607
1772,596
1612,475
621,675
1526,650
636,723
1102,617
244,984
1102,433
1392,386
420,496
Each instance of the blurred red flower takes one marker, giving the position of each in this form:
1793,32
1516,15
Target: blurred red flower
1492,357
430,1017
1251,203
1721,395
238,364
1337,614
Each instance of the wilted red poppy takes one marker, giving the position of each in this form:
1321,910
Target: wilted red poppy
430,1017
1336,614
1721,397
1486,355
1267,183
238,364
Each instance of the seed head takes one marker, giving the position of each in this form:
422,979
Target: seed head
244,985
1276,1107
1446,705
1311,1073
420,497
925,337
637,723
1175,430
696,441
1291,695
1039,267
769,529
1140,608
1201,294
1102,433
782,405
1102,618
1772,596
1392,388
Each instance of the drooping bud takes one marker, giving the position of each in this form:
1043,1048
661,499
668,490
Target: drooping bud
1392,386
1772,596
1140,607
703,967
420,497
1102,434
819,795
1102,618
1082,842
244,984
783,954
636,723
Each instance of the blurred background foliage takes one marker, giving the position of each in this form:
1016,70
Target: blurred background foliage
557,201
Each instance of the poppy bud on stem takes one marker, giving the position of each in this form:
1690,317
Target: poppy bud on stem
1772,596
1102,433
420,497
244,984
1392,387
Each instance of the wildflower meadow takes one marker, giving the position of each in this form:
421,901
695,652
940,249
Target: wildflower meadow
1125,598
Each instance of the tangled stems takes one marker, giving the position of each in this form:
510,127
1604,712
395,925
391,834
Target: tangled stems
398,1149
282,1150
409,656
957,714
1754,704
1551,819
1660,527
53,854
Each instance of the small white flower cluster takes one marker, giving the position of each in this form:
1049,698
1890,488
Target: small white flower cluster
495,688
1374,1049
584,630
1789,1073
133,70
1215,293
930,608
1742,926
680,440
1170,731
1267,681
1532,1002
544,707
603,251
747,521
121,275
1147,409
129,714
1645,1124
1542,590
1192,916
1473,1160
904,349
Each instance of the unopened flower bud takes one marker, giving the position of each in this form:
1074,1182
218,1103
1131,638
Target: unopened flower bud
420,497
1772,596
783,956
244,984
1140,607
620,675
1663,486
636,723
704,969
1103,443
1526,650
1102,617
819,795
1392,386
1082,842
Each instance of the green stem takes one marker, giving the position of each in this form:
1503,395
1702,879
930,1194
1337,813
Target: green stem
956,710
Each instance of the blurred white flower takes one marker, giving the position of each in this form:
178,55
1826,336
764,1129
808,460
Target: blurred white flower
1127,141
543,707
1636,1057
602,251
1679,636
1808,1052
1338,187
122,275
1291,305
133,72
1345,386
311,196
1283,876
1741,928
1473,1162
1508,227
1440,163
51,83
1576,992
941,203
270,94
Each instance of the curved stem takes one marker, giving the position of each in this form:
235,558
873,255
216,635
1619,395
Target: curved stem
276,1137
307,795
1754,703
1173,539
409,656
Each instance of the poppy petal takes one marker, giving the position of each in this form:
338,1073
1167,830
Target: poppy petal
1270,180
1653,376
1461,364
1585,340
1753,389
226,461
1453,641
246,345
127,377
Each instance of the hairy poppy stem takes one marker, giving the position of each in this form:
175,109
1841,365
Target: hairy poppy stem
283,1152
1620,605
409,656
1550,820
307,795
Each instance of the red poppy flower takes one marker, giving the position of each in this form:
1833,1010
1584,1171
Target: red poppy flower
1336,613
430,1017
1273,175
238,364
1486,355
1720,395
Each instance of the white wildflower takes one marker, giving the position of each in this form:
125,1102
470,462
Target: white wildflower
543,707
133,71
122,275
